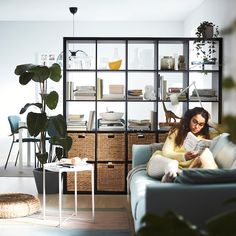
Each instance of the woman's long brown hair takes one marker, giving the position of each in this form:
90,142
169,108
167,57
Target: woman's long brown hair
183,127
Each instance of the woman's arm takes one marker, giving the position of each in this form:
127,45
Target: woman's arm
172,151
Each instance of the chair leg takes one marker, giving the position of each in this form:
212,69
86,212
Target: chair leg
8,155
17,158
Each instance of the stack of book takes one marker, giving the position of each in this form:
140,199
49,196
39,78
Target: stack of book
204,94
116,91
139,125
84,93
75,122
172,90
111,125
135,94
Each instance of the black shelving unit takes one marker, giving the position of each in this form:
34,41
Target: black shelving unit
141,66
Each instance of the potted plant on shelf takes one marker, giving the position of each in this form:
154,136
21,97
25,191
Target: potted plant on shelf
48,128
204,45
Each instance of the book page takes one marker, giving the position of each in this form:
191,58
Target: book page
193,144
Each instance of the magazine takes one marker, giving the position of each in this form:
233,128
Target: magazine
193,144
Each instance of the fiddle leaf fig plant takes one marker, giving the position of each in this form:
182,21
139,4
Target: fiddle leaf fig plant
40,123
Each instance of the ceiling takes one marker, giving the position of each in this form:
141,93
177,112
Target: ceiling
97,10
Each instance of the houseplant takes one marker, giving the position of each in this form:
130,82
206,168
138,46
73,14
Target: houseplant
51,128
205,47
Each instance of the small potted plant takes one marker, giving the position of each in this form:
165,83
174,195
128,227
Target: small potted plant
205,47
40,124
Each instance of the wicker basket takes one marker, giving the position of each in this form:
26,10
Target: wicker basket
83,181
111,147
83,146
143,138
111,177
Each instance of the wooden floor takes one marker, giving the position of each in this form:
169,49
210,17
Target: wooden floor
27,185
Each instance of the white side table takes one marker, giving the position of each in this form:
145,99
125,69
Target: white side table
77,168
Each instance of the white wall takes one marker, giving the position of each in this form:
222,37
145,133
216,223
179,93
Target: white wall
22,42
222,13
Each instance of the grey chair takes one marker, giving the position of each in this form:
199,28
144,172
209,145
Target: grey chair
14,125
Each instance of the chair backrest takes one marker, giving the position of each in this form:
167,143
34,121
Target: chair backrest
14,123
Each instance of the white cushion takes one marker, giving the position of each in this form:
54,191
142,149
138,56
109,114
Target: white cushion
218,143
159,165
226,156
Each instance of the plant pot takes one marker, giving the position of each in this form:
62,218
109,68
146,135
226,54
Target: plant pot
208,32
51,181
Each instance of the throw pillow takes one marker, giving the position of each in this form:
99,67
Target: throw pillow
226,155
158,165
206,176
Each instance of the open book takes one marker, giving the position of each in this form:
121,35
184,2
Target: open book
193,144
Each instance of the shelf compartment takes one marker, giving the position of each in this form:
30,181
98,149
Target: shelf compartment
111,177
83,145
139,138
83,181
111,147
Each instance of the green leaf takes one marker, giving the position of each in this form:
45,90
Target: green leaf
41,73
36,123
57,126
223,224
39,105
55,72
42,157
20,69
51,100
25,77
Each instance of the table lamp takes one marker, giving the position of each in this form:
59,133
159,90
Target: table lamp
174,98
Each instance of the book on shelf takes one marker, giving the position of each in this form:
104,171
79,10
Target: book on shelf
153,119
91,119
163,87
75,117
131,97
193,144
77,128
69,90
99,88
113,96
84,97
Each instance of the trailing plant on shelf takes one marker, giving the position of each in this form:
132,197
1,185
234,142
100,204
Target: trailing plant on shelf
52,128
204,45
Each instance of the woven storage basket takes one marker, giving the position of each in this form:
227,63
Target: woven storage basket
143,138
111,177
111,147
129,167
83,181
83,146
14,205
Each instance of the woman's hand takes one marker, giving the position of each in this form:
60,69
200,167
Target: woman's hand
190,155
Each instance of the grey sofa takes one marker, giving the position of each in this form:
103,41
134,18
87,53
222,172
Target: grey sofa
195,202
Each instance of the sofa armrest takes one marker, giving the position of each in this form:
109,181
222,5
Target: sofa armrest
141,153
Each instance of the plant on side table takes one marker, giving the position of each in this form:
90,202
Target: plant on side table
48,128
205,47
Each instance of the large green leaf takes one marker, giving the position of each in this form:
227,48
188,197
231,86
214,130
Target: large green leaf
36,123
51,100
42,157
57,126
25,77
20,69
55,74
41,73
27,105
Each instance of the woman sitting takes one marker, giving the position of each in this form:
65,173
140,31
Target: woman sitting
196,121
